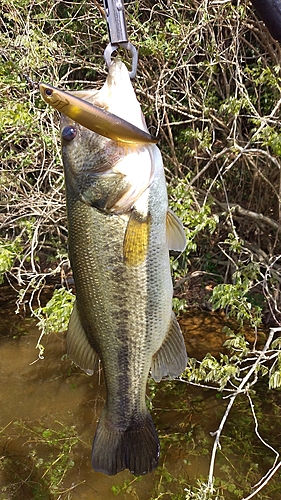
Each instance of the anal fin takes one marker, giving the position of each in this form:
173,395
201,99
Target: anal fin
79,348
171,359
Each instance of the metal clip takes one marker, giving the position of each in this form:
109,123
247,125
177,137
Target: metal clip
128,46
116,22
117,32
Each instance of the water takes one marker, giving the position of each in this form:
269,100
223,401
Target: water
52,394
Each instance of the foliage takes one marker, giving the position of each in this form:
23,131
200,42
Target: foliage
235,299
50,456
208,83
214,371
182,201
178,305
8,252
54,316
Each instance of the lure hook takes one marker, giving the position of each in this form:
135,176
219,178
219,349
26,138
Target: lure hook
34,85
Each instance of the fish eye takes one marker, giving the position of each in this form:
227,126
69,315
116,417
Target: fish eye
69,133
48,92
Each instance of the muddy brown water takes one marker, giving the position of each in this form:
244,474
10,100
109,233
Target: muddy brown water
52,393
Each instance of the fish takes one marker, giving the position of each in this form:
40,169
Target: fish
120,231
93,117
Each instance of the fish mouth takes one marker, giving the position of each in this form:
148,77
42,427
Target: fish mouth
94,118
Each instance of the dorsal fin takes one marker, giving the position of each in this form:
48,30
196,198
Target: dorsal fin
176,238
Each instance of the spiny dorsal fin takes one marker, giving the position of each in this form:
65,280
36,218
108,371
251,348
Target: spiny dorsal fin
136,240
79,348
171,359
176,238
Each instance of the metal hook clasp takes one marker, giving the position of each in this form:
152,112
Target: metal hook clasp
128,46
117,32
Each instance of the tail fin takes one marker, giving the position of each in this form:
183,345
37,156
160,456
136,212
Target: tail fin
137,448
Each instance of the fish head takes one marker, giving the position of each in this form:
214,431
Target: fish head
117,97
89,161
101,172
94,163
85,152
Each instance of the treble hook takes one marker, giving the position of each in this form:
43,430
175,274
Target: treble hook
117,32
34,85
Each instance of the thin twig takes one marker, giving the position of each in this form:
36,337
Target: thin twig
241,389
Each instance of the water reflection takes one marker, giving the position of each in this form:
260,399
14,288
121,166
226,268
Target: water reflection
203,332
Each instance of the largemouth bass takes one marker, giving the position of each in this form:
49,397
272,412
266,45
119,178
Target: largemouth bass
120,232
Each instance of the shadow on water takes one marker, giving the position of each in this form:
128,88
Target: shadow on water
22,479
49,412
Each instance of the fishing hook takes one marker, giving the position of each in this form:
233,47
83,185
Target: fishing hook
117,32
31,82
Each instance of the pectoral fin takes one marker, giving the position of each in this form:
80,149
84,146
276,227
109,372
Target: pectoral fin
136,240
175,232
79,348
171,359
